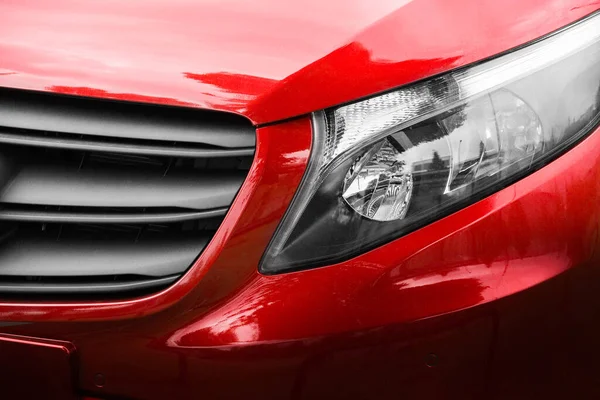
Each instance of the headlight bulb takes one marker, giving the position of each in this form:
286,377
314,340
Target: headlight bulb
379,183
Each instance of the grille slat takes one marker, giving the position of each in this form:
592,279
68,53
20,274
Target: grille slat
175,149
108,218
83,258
42,287
104,118
106,198
59,186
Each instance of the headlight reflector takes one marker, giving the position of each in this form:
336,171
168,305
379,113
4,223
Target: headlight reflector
378,185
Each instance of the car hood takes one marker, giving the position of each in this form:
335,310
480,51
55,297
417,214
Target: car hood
265,59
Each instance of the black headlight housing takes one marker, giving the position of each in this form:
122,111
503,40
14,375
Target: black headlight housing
385,166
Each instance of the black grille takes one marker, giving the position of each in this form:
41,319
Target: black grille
109,198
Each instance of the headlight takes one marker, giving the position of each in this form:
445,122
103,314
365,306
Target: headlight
385,166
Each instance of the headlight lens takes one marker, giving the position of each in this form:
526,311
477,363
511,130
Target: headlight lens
385,166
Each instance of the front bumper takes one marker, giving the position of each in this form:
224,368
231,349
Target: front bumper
496,298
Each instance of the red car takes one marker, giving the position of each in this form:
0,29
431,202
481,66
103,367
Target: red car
299,200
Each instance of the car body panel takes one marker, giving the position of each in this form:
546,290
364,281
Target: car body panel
266,60
297,137
469,305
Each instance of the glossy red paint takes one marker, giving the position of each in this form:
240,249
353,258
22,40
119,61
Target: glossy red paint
49,363
521,236
467,306
21,59
286,336
267,60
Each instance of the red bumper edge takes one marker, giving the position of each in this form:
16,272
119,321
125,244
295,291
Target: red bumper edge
36,368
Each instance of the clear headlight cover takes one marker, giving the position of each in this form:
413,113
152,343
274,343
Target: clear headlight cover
388,165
